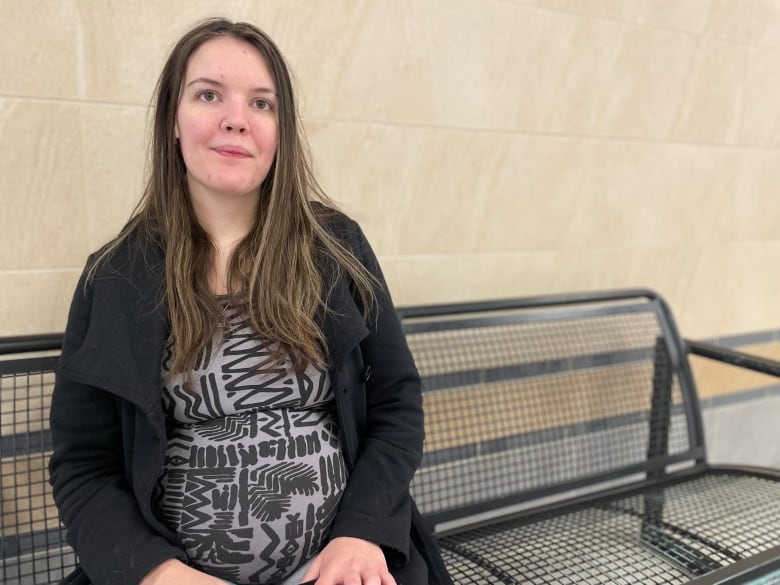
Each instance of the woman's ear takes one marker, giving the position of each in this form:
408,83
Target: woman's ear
176,130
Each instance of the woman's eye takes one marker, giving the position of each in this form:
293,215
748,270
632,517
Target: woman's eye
263,104
207,96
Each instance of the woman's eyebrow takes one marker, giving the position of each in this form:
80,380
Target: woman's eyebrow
205,80
216,83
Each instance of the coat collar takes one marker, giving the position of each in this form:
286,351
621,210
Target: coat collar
128,326
342,324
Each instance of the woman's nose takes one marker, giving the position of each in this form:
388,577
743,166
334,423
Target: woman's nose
234,124
235,120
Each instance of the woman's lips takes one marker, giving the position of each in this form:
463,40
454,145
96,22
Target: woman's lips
232,151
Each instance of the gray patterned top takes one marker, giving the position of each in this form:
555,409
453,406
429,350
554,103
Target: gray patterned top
253,470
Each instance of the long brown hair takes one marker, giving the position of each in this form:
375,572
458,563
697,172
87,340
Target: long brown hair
273,270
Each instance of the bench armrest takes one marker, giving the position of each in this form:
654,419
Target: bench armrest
734,357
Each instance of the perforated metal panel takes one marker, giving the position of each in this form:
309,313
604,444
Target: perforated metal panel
537,400
665,535
33,542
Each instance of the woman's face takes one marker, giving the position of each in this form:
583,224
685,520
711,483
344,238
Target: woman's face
226,121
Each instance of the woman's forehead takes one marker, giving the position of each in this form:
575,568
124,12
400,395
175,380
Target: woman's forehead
226,59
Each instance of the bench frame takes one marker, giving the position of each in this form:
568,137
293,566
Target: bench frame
47,545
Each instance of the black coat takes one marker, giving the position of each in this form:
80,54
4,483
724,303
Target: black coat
108,426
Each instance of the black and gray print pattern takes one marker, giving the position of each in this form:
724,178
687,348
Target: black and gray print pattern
253,470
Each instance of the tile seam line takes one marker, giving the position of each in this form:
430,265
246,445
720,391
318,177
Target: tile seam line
449,128
22,271
643,24
532,251
539,133
73,101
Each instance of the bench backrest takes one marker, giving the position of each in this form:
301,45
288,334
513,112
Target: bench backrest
530,399
33,542
524,400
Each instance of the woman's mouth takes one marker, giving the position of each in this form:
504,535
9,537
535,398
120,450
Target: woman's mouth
232,151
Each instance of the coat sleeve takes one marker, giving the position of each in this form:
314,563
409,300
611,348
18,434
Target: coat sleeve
376,505
90,484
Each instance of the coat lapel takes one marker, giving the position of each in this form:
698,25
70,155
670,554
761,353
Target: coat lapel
342,324
122,348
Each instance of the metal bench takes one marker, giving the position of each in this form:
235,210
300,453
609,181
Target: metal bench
564,444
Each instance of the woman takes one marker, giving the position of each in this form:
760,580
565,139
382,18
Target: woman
235,399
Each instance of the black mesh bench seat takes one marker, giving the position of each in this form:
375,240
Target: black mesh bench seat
564,444
667,534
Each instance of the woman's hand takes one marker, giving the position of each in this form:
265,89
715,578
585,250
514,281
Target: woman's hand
350,561
174,572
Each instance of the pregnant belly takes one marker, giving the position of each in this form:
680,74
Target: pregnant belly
252,496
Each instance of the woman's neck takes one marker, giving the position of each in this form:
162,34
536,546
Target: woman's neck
227,219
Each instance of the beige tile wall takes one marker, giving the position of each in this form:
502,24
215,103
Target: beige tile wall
715,378
490,148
